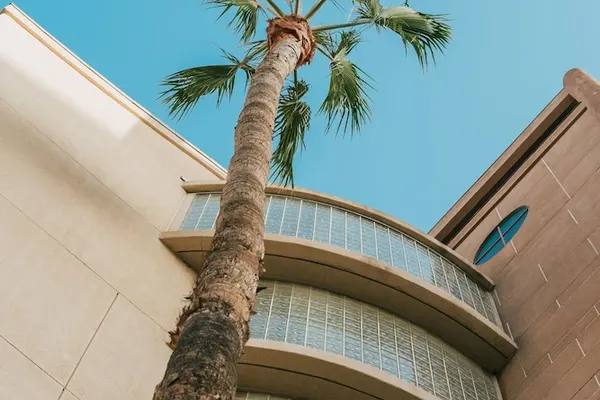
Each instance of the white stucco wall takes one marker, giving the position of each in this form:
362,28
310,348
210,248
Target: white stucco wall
87,180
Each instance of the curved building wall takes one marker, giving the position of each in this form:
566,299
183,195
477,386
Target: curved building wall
323,223
312,317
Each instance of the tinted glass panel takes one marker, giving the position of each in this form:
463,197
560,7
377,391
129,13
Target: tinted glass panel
510,230
501,235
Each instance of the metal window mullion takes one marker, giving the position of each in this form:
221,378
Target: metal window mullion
361,235
270,310
412,349
419,260
314,231
379,341
346,230
462,297
282,215
326,315
375,237
214,223
430,363
289,316
308,315
362,340
445,275
473,383
479,291
397,348
202,213
467,279
485,386
344,326
432,267
390,243
299,218
330,224
405,252
460,377
442,345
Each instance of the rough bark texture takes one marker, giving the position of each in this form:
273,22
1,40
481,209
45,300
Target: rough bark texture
214,326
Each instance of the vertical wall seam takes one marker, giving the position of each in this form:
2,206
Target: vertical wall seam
573,217
556,179
89,343
542,271
593,247
30,360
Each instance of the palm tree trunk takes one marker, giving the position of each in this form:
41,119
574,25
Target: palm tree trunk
215,325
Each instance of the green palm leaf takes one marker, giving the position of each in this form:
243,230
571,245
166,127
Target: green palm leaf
186,87
347,101
425,33
291,124
245,16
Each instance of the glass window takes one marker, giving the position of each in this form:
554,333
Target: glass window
306,316
309,220
501,235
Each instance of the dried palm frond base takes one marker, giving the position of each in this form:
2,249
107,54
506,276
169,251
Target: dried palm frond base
296,27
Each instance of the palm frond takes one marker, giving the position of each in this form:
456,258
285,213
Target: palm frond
186,87
426,34
297,7
324,39
347,101
345,42
319,4
275,9
291,124
245,16
255,52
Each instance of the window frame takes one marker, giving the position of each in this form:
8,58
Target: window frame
483,254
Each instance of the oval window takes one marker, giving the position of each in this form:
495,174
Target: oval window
501,235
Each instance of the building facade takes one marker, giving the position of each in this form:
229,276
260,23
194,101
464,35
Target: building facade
106,214
546,271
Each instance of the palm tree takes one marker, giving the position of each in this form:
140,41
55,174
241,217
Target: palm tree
213,327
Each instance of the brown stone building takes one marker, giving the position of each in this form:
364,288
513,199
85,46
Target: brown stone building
100,237
547,272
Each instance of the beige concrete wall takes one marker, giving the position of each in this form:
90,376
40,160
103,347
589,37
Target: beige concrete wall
87,291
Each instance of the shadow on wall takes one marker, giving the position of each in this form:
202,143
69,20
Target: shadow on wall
35,125
66,172
73,117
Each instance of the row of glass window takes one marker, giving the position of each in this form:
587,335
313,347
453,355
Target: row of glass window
257,396
331,225
311,317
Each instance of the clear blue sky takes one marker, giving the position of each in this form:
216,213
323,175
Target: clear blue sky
431,135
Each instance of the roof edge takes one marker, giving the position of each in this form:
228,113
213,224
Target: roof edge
104,85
